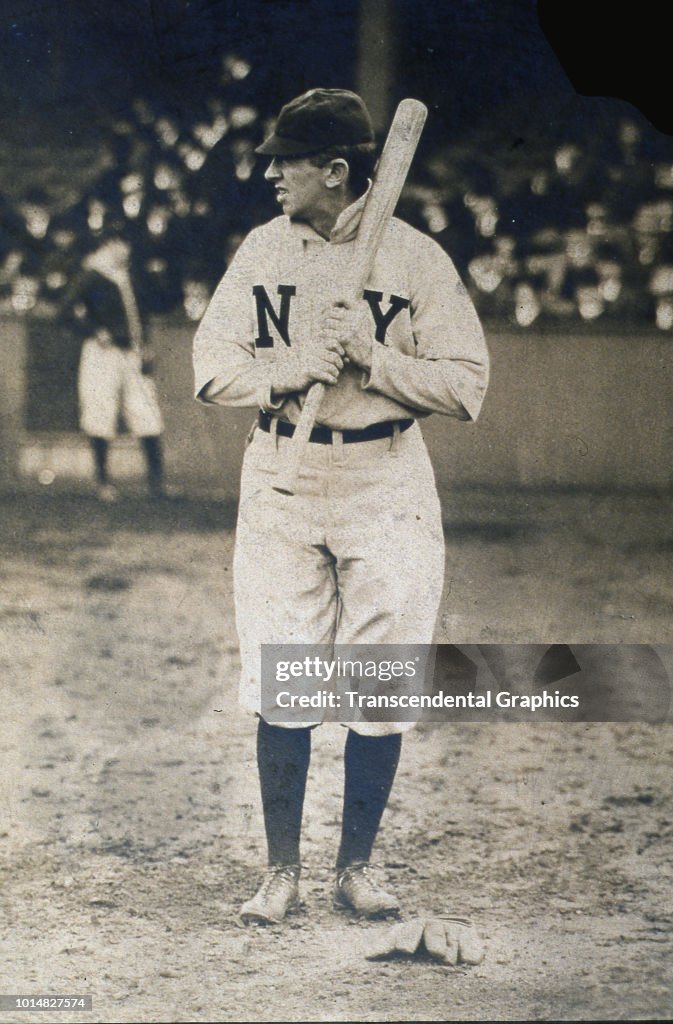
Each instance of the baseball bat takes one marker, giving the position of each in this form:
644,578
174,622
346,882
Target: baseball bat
391,172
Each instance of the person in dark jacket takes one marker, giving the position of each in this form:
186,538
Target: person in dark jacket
115,363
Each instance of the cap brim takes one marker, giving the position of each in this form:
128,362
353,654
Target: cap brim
275,145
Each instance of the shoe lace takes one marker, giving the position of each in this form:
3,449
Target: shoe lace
278,878
360,874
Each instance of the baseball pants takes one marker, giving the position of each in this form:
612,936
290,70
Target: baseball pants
110,382
355,556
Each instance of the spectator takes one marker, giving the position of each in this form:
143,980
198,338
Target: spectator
660,285
527,299
163,166
491,273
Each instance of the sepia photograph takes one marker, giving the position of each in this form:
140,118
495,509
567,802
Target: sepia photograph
335,477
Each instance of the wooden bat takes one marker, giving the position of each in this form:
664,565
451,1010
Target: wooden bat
391,172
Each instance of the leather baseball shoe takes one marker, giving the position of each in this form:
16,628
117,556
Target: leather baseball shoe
356,890
277,894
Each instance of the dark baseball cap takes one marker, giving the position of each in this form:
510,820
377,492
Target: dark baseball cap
317,120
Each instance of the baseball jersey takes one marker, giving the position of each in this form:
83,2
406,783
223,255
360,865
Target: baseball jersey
429,353
102,297
95,302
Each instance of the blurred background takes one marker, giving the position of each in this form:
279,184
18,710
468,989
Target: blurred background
557,209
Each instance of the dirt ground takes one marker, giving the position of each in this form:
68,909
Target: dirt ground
131,827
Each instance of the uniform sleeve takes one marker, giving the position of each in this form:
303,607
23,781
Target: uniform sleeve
224,343
449,372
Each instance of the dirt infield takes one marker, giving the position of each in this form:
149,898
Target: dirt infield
131,828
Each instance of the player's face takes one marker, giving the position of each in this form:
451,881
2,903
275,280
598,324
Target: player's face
299,186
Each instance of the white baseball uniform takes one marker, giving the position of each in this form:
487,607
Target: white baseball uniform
110,381
110,378
356,555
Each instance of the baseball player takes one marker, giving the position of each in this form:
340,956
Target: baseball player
356,555
114,366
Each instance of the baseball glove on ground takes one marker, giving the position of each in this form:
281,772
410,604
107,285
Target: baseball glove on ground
451,940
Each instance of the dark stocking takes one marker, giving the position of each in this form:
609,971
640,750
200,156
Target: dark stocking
283,757
153,458
100,447
370,767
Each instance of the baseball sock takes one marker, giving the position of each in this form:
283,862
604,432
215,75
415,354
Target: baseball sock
153,457
283,757
370,766
100,447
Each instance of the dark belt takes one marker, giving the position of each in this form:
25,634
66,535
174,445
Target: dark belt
323,435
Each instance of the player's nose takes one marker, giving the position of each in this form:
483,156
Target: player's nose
272,173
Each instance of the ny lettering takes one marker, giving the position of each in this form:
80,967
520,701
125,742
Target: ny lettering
265,311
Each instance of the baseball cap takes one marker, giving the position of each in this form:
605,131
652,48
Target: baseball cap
316,120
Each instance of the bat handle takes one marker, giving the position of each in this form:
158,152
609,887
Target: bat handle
288,474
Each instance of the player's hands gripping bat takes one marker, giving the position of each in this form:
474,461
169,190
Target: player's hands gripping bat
391,172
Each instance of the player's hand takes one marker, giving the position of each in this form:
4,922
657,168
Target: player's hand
347,323
295,369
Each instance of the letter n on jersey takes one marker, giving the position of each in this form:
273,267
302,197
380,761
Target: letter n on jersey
266,312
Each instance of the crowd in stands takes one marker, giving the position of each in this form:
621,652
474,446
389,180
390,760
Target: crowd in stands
567,232
579,231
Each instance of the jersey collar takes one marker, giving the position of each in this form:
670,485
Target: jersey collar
345,228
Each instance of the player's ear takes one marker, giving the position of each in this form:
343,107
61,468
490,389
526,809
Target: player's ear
337,173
